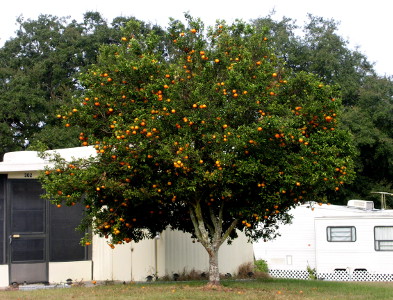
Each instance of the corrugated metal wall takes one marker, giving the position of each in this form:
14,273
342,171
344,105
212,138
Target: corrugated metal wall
182,254
173,252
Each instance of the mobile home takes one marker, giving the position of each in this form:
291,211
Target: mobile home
332,242
39,243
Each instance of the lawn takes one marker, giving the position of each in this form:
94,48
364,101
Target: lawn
245,290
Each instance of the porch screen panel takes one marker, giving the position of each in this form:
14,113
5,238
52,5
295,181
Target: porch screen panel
31,249
28,208
64,238
2,212
383,236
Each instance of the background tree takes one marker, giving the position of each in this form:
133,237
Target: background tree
318,48
38,75
38,70
206,135
370,120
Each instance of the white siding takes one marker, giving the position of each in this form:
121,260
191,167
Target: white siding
294,249
352,255
75,270
173,252
304,242
4,281
102,257
182,254
127,262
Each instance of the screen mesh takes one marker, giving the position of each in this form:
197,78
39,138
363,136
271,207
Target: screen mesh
64,239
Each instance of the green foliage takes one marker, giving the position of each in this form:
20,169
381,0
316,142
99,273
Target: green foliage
38,76
312,273
261,266
370,121
367,97
39,67
209,135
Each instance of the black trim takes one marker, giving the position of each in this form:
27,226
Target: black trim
353,234
3,227
26,235
6,215
377,242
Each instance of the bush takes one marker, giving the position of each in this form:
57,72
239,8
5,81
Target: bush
250,270
312,273
261,266
185,275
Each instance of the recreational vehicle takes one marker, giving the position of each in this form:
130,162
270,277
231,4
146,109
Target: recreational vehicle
39,243
332,242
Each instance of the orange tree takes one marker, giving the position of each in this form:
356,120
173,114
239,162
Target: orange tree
204,131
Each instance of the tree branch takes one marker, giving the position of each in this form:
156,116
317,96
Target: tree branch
199,225
228,231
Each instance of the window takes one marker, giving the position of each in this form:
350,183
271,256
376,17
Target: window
383,237
341,234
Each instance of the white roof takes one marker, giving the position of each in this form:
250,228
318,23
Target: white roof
20,161
338,211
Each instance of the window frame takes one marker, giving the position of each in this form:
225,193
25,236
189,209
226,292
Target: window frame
353,236
377,242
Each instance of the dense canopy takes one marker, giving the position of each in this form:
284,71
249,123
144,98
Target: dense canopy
202,130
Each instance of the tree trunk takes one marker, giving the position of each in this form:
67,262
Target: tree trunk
211,242
214,274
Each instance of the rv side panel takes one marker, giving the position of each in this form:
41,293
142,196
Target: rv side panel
295,248
352,255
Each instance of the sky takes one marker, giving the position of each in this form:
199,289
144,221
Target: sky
365,24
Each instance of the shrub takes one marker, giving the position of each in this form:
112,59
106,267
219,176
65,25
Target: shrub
249,270
261,266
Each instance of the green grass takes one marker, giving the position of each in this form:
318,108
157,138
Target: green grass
244,290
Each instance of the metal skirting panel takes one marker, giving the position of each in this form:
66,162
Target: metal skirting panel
30,273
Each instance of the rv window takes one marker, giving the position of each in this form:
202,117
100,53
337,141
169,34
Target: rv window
341,233
383,237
